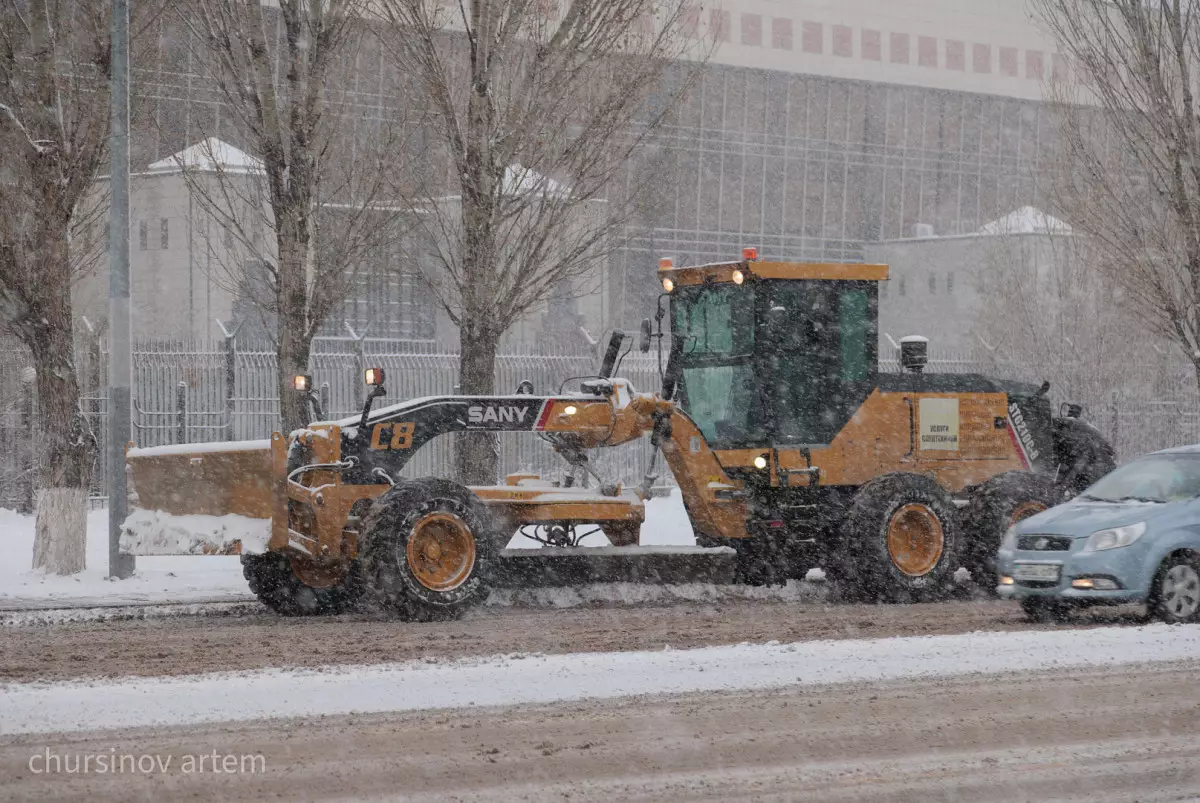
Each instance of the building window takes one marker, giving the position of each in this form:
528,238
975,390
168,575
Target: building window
872,45
812,37
719,23
781,34
752,30
164,235
903,289
932,283
949,282
143,235
843,41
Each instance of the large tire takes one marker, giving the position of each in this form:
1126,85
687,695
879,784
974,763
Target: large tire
1175,591
428,550
995,506
897,543
291,587
1083,455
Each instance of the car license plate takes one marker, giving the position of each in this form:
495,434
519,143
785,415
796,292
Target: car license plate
1042,572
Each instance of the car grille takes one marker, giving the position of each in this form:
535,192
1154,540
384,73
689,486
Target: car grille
1043,543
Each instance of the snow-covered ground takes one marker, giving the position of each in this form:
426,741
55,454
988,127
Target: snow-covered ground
195,578
539,679
160,579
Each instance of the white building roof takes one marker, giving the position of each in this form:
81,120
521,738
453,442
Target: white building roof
210,156
519,180
1026,220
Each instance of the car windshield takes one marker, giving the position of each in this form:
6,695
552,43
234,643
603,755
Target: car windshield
1157,478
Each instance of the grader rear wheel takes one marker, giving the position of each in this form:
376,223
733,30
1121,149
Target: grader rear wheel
915,539
995,506
897,543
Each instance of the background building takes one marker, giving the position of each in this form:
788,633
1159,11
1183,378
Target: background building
818,130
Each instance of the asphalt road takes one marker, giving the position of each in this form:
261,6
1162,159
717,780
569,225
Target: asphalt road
191,644
1125,734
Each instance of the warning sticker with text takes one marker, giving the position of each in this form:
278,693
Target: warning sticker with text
938,420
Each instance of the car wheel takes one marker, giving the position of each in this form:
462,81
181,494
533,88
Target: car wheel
1045,609
1177,590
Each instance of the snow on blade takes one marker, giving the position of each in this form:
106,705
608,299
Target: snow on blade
155,532
412,686
200,448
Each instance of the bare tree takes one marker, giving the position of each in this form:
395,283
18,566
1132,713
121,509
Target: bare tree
1130,142
317,183
537,106
1049,316
55,65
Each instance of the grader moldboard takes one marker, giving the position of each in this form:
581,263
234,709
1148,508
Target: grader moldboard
786,441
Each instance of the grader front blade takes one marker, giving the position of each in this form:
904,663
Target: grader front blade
203,499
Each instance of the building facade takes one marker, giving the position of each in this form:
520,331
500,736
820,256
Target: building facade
818,130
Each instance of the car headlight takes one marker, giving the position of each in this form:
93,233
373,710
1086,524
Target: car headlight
1009,541
1114,537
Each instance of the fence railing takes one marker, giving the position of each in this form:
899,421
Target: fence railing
194,393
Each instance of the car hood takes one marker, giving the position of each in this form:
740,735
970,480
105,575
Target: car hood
1081,517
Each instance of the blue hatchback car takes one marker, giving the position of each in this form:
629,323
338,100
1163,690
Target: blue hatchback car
1134,536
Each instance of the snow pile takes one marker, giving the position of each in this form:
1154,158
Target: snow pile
157,580
126,613
155,532
645,594
200,448
542,679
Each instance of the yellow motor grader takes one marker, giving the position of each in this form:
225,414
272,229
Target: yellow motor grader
786,441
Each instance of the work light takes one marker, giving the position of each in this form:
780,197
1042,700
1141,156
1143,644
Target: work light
302,383
374,376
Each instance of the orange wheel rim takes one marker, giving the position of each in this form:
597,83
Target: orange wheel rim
1025,510
915,540
315,575
441,552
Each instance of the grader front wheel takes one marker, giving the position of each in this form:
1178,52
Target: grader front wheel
298,586
427,550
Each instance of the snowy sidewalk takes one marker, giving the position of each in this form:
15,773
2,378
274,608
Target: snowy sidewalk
541,679
157,580
189,579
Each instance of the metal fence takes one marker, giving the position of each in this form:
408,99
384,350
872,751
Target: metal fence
185,392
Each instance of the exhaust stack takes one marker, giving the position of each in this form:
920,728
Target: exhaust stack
914,353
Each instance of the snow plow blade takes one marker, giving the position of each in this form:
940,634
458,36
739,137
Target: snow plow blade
202,499
567,566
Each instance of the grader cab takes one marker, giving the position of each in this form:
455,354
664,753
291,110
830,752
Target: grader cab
791,450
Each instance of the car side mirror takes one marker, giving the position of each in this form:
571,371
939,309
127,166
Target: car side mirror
644,336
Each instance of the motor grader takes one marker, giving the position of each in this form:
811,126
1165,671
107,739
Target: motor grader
788,444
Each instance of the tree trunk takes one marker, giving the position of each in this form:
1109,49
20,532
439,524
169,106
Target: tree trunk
65,444
295,343
477,456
